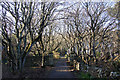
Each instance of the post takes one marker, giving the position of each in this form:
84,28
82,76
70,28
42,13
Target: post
51,59
77,66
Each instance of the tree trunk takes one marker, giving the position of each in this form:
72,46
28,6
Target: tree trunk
90,52
82,52
103,50
42,64
94,54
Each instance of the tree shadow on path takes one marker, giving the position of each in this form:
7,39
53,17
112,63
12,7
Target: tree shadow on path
61,70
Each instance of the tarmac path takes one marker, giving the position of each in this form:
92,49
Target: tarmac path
61,70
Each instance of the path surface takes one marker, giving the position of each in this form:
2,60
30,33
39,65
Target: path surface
61,70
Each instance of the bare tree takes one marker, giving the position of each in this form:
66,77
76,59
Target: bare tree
20,23
98,21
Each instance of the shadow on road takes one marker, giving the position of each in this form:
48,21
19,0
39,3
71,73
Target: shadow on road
61,70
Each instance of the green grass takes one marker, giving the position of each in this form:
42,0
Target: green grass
84,75
87,76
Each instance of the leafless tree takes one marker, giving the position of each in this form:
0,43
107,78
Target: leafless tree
26,21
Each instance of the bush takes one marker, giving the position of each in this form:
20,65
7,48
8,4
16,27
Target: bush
32,61
66,56
56,55
98,54
84,75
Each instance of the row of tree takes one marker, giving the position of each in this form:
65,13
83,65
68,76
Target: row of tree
36,27
23,25
93,28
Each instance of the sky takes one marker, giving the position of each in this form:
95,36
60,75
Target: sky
69,1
